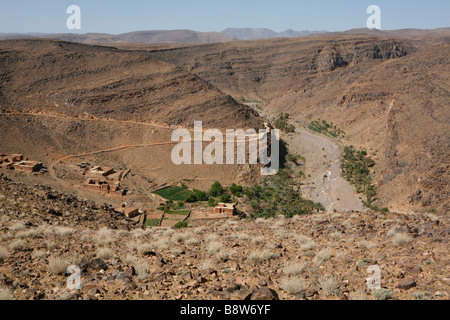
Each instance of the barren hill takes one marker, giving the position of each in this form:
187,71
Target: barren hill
81,98
390,96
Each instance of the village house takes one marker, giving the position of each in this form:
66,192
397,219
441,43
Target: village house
99,172
28,166
129,212
225,208
19,163
103,186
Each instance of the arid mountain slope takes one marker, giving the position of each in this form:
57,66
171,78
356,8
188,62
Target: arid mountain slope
74,79
390,96
103,98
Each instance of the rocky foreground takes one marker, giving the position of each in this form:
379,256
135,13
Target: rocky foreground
324,256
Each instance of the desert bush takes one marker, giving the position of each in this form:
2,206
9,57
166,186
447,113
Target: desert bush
3,254
330,285
58,265
383,294
6,293
262,255
19,225
259,240
421,296
225,255
295,269
30,233
293,285
162,244
142,268
104,253
336,235
18,245
400,239
367,244
213,247
104,236
181,237
323,256
63,231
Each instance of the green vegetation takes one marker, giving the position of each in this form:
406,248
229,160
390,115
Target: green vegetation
216,189
152,222
278,196
328,129
197,196
383,294
235,189
182,225
174,193
212,202
356,170
282,123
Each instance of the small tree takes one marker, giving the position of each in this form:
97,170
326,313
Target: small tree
216,189
211,202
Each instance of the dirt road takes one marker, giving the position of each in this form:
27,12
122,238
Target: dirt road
325,184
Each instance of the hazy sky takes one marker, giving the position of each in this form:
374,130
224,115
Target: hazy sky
113,16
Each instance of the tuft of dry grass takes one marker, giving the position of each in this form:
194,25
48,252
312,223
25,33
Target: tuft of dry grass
323,256
213,247
6,293
295,269
259,240
63,231
142,268
262,255
330,285
18,245
104,236
19,225
293,285
58,265
367,244
104,253
400,239
3,254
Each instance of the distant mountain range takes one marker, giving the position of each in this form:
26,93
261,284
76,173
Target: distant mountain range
260,33
195,37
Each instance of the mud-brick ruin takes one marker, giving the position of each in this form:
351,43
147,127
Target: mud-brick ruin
19,163
105,181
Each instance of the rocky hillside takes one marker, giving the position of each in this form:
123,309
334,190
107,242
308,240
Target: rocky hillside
317,257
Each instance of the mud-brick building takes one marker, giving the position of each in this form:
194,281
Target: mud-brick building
225,208
28,166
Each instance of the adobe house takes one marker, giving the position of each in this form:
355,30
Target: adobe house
99,172
103,186
225,208
129,212
28,166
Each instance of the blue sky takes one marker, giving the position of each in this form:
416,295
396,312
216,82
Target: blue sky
113,16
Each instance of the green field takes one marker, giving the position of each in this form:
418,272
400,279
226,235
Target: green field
174,193
152,222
